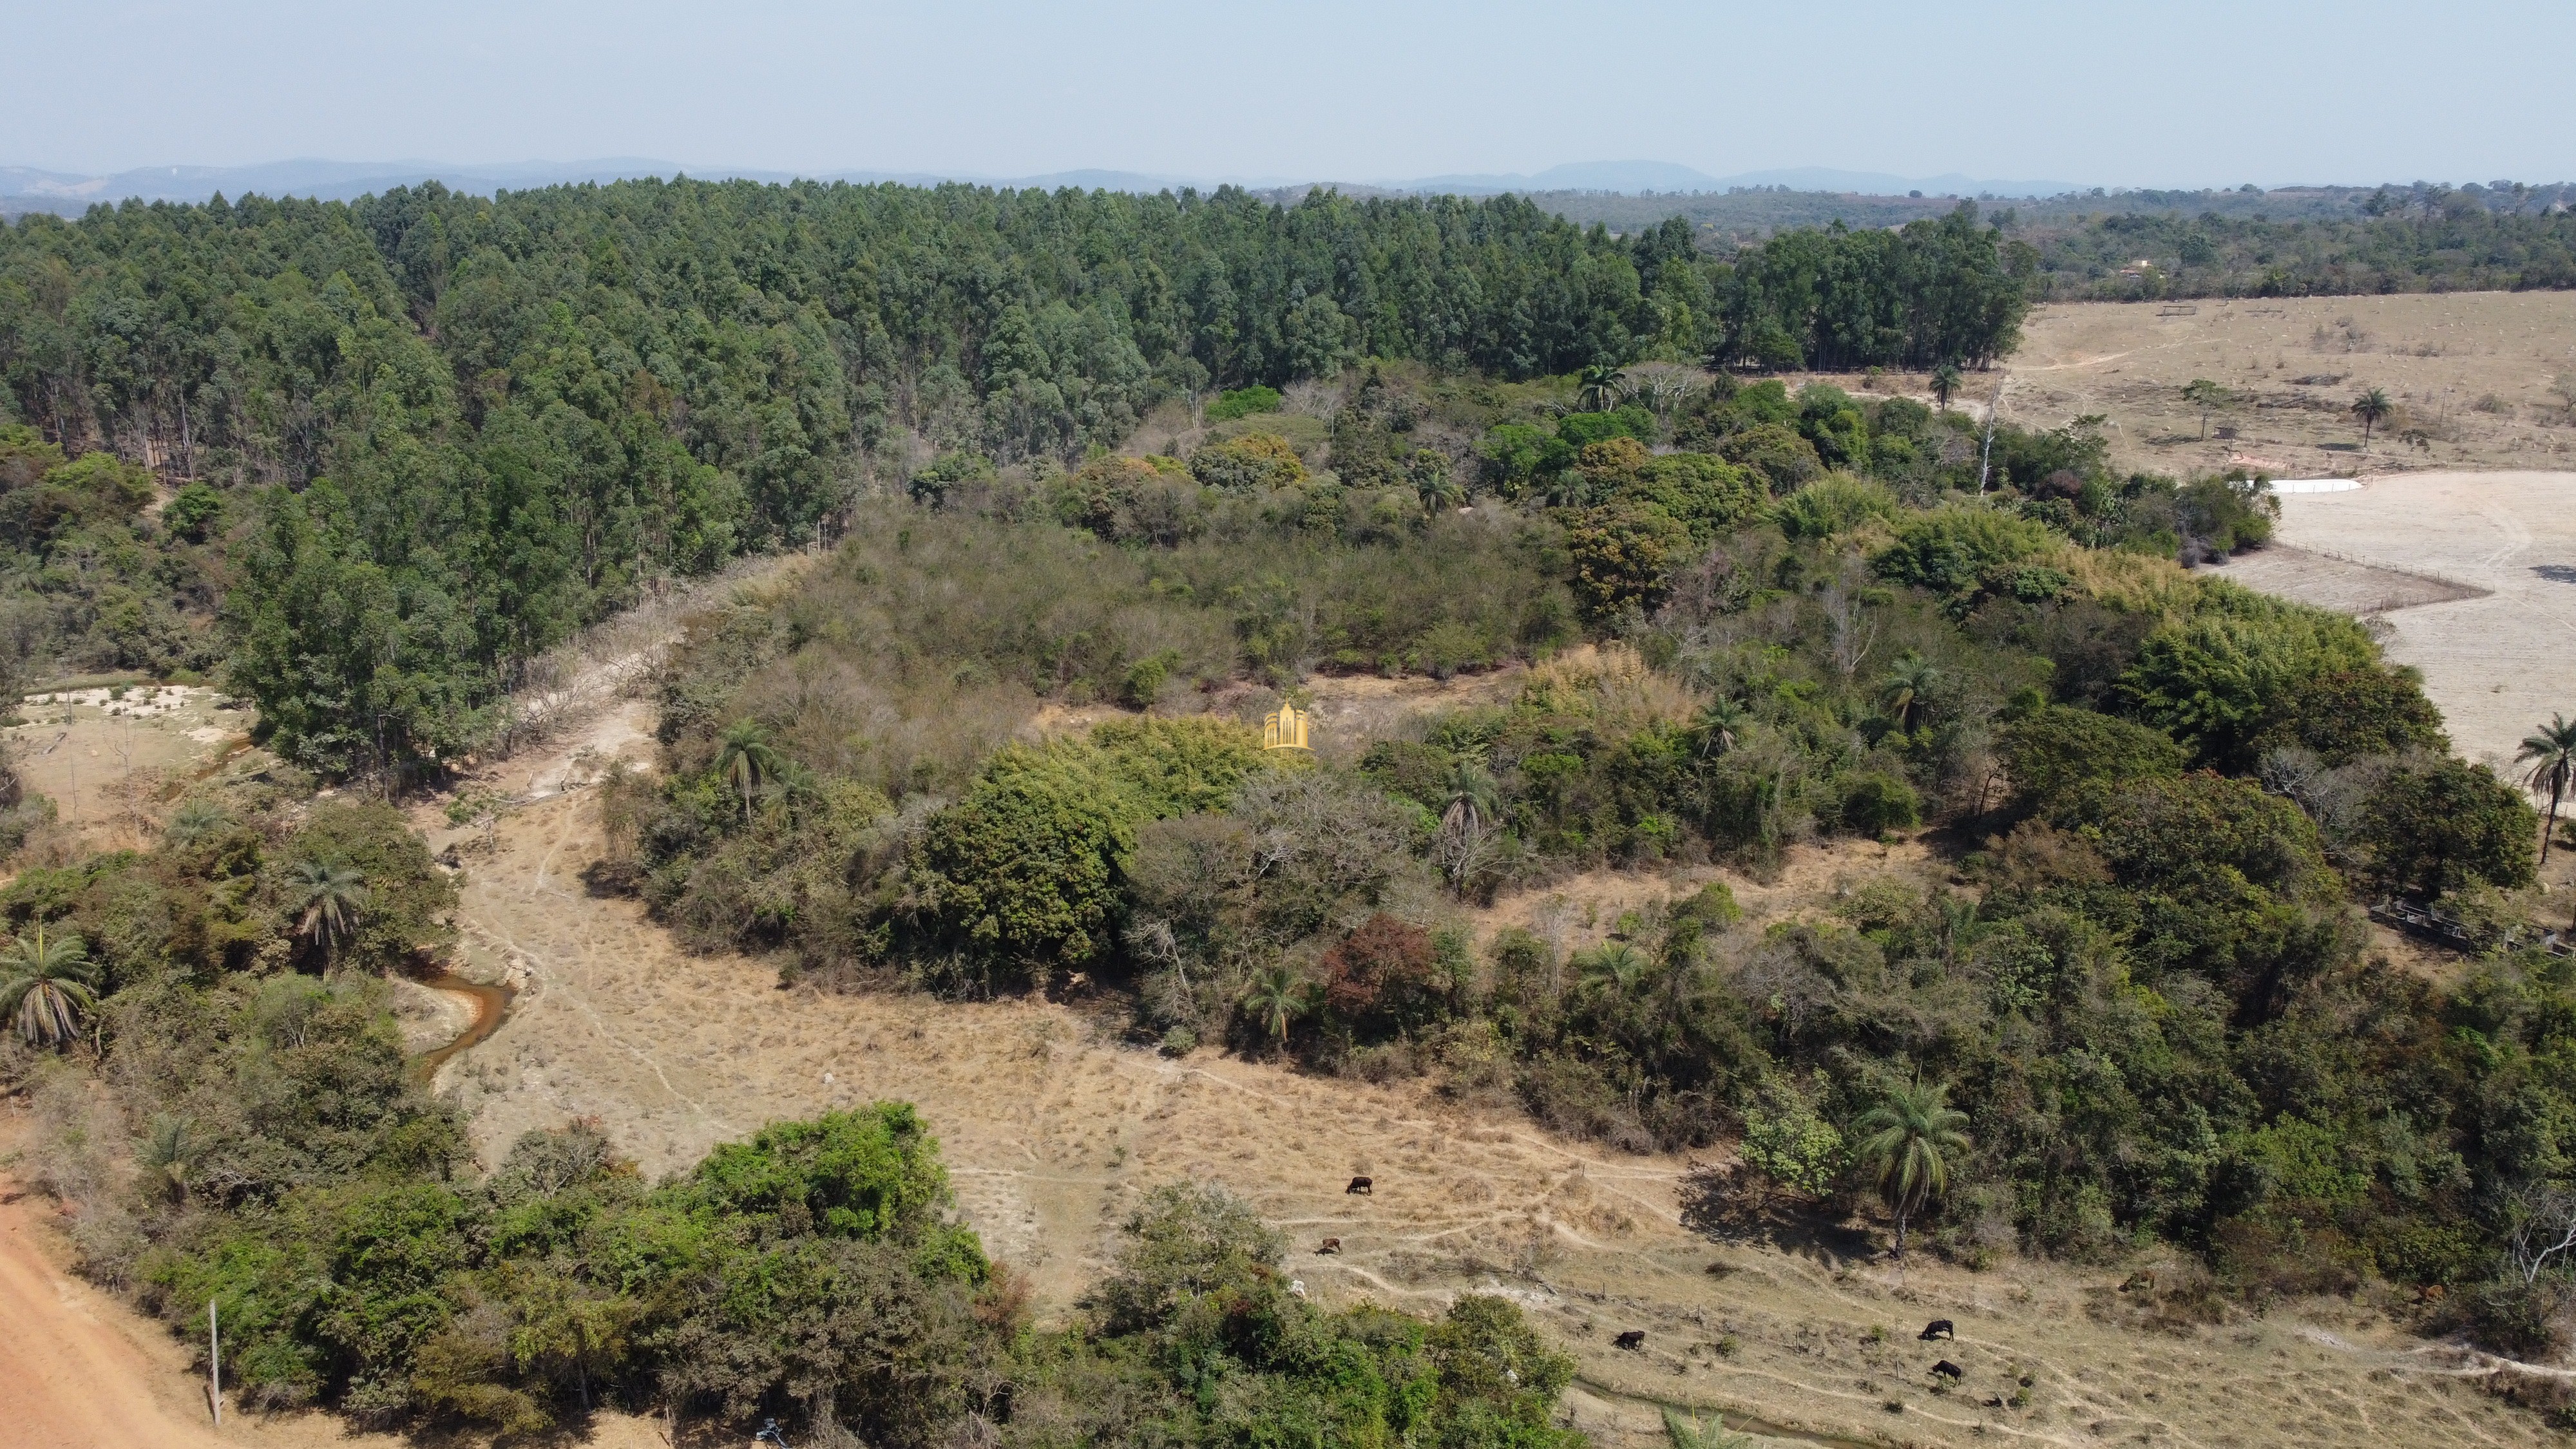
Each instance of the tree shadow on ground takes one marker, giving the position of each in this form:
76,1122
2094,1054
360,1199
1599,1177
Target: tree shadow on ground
1730,1205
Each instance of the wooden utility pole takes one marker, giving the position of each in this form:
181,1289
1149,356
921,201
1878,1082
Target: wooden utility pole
214,1364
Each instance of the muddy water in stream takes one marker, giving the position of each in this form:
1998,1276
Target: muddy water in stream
491,1007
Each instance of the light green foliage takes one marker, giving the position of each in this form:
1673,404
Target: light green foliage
2052,751
1030,864
1834,505
1789,1144
1243,402
2209,680
1962,551
1251,463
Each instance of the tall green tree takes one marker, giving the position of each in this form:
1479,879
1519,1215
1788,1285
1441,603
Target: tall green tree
2205,395
1945,384
1907,1141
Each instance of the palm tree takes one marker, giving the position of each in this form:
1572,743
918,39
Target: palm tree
47,982
1945,381
1910,1137
1720,724
1909,686
2551,753
1468,796
1276,998
1438,492
328,899
196,820
2373,408
747,758
1612,966
2204,394
172,1151
1602,385
1691,1434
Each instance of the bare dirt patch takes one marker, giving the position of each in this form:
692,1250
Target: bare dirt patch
108,758
2474,372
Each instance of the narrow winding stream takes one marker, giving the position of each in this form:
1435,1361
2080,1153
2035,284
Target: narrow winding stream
491,1006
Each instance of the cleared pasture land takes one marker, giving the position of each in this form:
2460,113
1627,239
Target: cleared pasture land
2476,374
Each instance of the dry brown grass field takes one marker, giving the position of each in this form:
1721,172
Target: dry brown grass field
2475,375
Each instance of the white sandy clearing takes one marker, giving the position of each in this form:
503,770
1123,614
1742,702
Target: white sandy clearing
2497,663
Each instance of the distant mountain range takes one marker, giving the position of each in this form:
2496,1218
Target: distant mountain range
24,188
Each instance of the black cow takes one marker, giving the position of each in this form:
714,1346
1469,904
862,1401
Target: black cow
1949,1370
1937,1328
1329,1245
1634,1340
1366,1187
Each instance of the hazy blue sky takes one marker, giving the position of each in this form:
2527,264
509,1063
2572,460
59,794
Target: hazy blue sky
2171,93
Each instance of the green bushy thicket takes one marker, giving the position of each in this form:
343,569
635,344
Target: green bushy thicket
263,1145
2144,978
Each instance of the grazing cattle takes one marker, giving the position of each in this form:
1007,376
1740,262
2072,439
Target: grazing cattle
1937,1328
1949,1370
2433,1292
1634,1340
1329,1245
1366,1187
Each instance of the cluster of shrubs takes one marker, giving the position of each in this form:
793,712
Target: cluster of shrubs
2144,976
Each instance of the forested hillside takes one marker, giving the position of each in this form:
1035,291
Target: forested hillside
437,431
397,447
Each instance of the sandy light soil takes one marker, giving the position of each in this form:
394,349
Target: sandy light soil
106,757
2501,546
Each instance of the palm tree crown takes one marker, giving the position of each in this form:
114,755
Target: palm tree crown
747,758
1910,1137
1909,683
1612,966
2550,752
1601,385
1470,799
1275,999
2373,408
1945,381
47,982
1720,724
328,898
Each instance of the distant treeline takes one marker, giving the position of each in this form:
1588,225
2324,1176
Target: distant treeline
2455,247
2291,242
493,420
